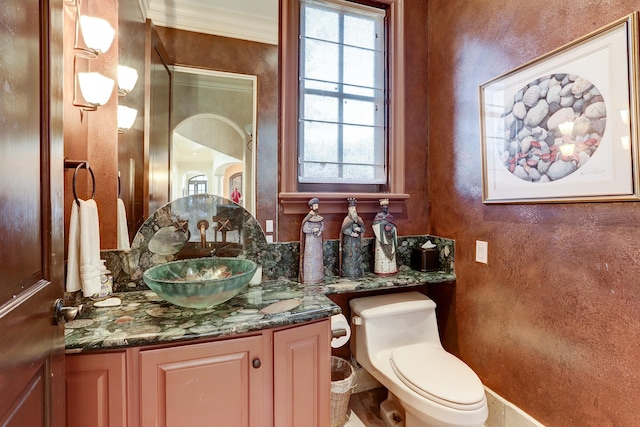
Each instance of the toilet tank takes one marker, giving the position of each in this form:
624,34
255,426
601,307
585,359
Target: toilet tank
393,320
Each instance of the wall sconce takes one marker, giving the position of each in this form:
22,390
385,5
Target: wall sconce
97,33
566,129
95,88
126,117
127,78
249,130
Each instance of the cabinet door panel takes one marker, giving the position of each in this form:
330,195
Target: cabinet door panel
96,390
302,376
203,384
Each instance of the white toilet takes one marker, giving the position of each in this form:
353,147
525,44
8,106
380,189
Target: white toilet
395,338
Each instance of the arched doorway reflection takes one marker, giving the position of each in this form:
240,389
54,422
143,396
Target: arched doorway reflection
213,116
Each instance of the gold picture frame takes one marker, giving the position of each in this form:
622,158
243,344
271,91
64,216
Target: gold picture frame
563,127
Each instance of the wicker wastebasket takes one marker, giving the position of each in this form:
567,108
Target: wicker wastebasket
342,377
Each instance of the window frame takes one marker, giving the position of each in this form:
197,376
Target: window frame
295,201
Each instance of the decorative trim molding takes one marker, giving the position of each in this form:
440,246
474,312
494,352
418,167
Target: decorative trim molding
208,19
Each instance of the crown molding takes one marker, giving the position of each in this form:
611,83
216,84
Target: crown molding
209,19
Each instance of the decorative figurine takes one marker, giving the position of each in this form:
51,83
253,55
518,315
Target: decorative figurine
384,227
351,243
311,258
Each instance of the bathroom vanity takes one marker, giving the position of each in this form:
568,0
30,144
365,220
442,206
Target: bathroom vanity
274,377
149,363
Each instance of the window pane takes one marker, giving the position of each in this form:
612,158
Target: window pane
360,112
359,32
321,60
320,142
321,108
342,128
319,23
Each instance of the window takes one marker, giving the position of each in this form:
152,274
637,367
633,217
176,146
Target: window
342,124
342,130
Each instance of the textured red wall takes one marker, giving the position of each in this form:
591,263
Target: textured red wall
552,322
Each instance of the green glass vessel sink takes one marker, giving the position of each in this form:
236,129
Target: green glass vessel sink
200,282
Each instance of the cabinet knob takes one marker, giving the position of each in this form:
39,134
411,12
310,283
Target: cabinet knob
256,363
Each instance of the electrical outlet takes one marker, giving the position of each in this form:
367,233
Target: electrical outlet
482,252
268,225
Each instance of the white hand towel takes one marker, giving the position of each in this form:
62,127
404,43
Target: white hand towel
89,247
83,265
123,230
73,261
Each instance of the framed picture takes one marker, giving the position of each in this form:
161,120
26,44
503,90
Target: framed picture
564,127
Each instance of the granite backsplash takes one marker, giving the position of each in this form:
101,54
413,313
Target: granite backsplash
173,232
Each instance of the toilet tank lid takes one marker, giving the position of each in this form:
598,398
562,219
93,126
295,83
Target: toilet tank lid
390,304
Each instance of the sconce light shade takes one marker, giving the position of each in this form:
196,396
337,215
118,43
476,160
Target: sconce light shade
127,78
126,117
97,33
96,89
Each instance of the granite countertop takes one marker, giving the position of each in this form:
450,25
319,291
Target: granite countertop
144,318
406,276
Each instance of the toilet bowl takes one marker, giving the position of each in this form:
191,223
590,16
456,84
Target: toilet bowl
395,338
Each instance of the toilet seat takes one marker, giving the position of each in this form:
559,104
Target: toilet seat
445,379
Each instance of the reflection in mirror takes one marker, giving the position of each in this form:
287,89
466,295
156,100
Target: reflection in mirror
193,227
213,115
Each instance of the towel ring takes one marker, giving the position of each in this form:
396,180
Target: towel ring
93,180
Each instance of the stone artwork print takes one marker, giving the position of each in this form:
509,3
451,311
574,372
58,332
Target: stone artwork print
530,150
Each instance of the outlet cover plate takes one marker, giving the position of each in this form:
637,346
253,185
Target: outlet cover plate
482,252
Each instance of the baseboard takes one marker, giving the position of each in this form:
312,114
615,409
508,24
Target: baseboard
503,413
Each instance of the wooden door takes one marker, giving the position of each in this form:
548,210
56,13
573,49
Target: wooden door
220,383
31,214
302,376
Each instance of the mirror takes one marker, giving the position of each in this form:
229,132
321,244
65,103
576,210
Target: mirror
229,52
213,116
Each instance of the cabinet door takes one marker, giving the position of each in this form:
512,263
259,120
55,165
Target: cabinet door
209,384
302,376
96,390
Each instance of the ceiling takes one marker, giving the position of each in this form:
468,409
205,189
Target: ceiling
254,20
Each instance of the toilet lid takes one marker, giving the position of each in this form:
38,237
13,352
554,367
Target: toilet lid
437,375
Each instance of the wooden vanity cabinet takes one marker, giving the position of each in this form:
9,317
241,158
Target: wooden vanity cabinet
96,387
276,377
215,383
302,376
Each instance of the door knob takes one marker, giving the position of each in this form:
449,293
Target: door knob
62,313
256,363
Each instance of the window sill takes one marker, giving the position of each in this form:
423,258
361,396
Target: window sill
296,203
